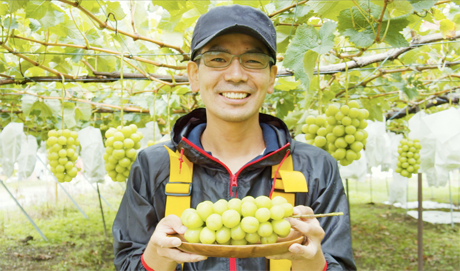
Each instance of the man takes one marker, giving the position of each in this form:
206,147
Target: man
233,148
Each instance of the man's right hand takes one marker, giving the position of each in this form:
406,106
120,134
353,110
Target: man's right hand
161,252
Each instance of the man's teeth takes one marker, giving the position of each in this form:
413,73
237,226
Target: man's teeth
234,95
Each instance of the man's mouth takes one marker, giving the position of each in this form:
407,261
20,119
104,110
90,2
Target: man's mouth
235,95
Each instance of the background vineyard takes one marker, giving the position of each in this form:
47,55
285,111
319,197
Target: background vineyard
78,63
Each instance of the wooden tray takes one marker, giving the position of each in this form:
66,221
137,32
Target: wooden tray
245,251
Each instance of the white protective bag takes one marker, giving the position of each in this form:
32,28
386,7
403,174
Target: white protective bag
376,143
92,152
356,170
147,132
11,146
27,157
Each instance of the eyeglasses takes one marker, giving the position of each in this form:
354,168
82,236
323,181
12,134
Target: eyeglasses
215,59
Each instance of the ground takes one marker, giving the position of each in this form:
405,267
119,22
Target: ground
384,237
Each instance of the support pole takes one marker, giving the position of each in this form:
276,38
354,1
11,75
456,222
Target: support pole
124,189
102,211
24,212
98,193
65,191
348,199
420,224
451,204
370,184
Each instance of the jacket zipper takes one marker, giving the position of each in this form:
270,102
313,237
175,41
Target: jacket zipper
233,179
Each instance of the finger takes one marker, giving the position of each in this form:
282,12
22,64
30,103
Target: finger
172,224
181,257
307,251
303,210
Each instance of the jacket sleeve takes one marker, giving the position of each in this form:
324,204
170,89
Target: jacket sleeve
329,196
136,219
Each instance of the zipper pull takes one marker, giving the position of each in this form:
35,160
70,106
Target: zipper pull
233,186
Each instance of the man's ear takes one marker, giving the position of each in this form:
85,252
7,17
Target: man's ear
273,73
192,72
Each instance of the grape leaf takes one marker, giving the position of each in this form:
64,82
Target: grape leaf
83,111
309,64
393,37
329,9
51,18
69,115
115,8
201,5
421,5
27,103
306,38
15,5
326,36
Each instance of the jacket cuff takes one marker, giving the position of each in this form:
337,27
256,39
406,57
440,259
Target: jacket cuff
145,265
325,267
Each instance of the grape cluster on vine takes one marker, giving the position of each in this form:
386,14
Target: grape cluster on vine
62,154
409,157
121,150
238,221
340,131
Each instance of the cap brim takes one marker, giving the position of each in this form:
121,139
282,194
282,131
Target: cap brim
236,29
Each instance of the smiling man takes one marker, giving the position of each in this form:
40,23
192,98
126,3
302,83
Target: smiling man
234,151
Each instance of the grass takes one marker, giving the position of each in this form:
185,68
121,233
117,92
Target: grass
384,238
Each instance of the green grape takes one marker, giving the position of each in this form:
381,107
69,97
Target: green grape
278,200
242,242
213,222
265,229
276,212
248,198
263,214
237,233
270,239
207,236
194,221
204,209
230,218
252,237
263,202
248,208
235,204
281,227
223,235
193,236
220,206
310,120
288,209
249,224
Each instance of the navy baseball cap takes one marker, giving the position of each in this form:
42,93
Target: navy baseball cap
234,19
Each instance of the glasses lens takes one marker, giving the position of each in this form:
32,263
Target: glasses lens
254,60
217,59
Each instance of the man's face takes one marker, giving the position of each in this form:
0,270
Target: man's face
233,93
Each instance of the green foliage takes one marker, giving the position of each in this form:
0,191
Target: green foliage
322,32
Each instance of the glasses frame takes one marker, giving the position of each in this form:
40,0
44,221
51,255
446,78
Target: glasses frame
200,56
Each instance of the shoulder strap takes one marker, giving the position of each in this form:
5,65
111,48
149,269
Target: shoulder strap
178,189
286,184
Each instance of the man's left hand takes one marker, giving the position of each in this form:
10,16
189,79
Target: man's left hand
309,254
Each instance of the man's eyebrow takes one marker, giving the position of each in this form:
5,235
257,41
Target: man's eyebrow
219,48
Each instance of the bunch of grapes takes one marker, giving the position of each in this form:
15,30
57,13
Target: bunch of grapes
120,151
346,136
238,222
62,154
409,157
315,131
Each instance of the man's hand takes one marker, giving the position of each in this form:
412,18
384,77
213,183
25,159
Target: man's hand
309,255
161,252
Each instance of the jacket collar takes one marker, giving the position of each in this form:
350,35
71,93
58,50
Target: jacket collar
195,154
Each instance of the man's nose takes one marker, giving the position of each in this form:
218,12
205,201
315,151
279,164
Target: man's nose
235,72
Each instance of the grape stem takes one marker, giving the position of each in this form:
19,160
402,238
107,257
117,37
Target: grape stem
317,215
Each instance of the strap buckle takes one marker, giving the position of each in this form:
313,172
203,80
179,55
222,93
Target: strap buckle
176,185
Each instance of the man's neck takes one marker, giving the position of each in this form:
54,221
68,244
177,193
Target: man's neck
234,144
